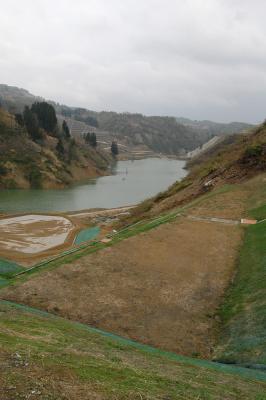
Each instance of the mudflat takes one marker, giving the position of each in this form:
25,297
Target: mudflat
29,235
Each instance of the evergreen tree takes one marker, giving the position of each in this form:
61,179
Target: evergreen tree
66,130
88,138
114,149
46,116
93,140
32,124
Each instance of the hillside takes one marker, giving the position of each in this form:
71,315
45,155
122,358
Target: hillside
138,135
47,161
45,357
159,134
181,274
233,159
214,128
15,99
228,182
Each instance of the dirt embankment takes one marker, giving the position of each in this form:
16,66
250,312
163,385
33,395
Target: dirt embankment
56,178
161,288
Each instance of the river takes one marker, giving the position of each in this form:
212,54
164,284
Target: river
131,182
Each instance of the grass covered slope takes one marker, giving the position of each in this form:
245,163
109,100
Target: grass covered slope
45,357
243,336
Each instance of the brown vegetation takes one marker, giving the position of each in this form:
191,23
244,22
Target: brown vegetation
161,288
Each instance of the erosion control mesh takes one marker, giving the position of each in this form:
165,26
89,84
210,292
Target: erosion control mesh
3,282
9,268
87,234
244,372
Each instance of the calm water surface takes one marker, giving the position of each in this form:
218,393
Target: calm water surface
132,182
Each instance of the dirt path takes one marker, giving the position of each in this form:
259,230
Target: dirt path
106,212
214,219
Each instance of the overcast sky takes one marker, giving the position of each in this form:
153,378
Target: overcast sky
202,59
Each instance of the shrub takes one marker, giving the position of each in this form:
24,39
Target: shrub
3,170
253,151
35,178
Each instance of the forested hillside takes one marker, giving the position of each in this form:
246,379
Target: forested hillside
166,135
37,152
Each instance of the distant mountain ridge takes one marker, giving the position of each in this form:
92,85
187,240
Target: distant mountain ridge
215,128
134,132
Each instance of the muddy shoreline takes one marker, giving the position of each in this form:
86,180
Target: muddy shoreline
78,220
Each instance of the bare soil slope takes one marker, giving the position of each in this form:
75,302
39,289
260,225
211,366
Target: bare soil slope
162,287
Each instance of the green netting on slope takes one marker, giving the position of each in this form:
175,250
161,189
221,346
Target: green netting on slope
3,282
259,212
227,369
9,268
87,234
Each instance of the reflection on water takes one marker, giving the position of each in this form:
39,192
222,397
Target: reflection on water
132,182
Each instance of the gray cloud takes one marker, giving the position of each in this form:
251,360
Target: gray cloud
196,58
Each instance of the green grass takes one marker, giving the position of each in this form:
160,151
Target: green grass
256,202
259,213
60,352
3,282
243,337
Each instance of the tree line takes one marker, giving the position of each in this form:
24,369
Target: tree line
40,120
